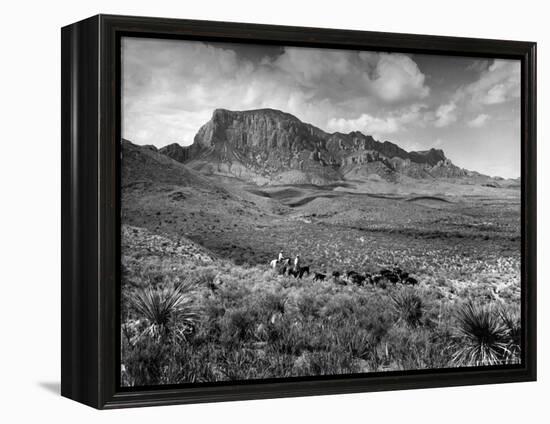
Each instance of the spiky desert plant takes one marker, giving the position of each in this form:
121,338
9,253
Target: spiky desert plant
512,322
169,312
408,306
482,336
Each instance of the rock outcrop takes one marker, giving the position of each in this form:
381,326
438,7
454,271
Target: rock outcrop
267,145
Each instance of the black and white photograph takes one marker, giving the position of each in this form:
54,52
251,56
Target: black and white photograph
296,212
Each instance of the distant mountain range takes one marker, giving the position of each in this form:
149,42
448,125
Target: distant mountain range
271,146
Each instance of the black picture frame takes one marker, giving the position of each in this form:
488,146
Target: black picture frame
90,135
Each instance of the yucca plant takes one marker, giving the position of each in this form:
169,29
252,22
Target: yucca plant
409,307
512,321
483,336
170,313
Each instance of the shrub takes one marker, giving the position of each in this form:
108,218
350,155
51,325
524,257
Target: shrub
408,306
512,322
256,324
332,362
205,277
143,362
417,348
237,325
483,336
287,337
241,364
358,343
271,302
170,312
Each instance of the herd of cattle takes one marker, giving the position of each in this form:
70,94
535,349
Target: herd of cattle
383,277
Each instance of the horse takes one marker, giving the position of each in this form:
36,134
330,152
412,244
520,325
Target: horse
280,266
303,270
293,272
298,273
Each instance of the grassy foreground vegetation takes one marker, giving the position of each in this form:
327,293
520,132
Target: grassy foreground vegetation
185,321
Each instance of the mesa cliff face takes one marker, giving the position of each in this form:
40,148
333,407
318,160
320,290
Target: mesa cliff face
267,145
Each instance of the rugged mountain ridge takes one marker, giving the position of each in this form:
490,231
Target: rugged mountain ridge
267,145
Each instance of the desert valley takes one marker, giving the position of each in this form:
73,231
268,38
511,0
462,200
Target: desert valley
201,224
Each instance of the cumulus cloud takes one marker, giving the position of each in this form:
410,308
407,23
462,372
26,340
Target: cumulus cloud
445,115
341,75
171,87
478,121
379,126
478,65
498,83
365,123
398,78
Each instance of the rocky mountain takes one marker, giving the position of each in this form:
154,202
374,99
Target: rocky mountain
267,145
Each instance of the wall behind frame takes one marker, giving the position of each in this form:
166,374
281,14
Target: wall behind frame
30,178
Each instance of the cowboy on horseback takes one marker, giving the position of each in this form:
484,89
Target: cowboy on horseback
297,263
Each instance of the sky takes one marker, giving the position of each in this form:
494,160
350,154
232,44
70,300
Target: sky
469,107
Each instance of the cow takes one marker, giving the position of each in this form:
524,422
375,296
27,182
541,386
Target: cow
358,279
319,277
412,281
393,278
390,275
